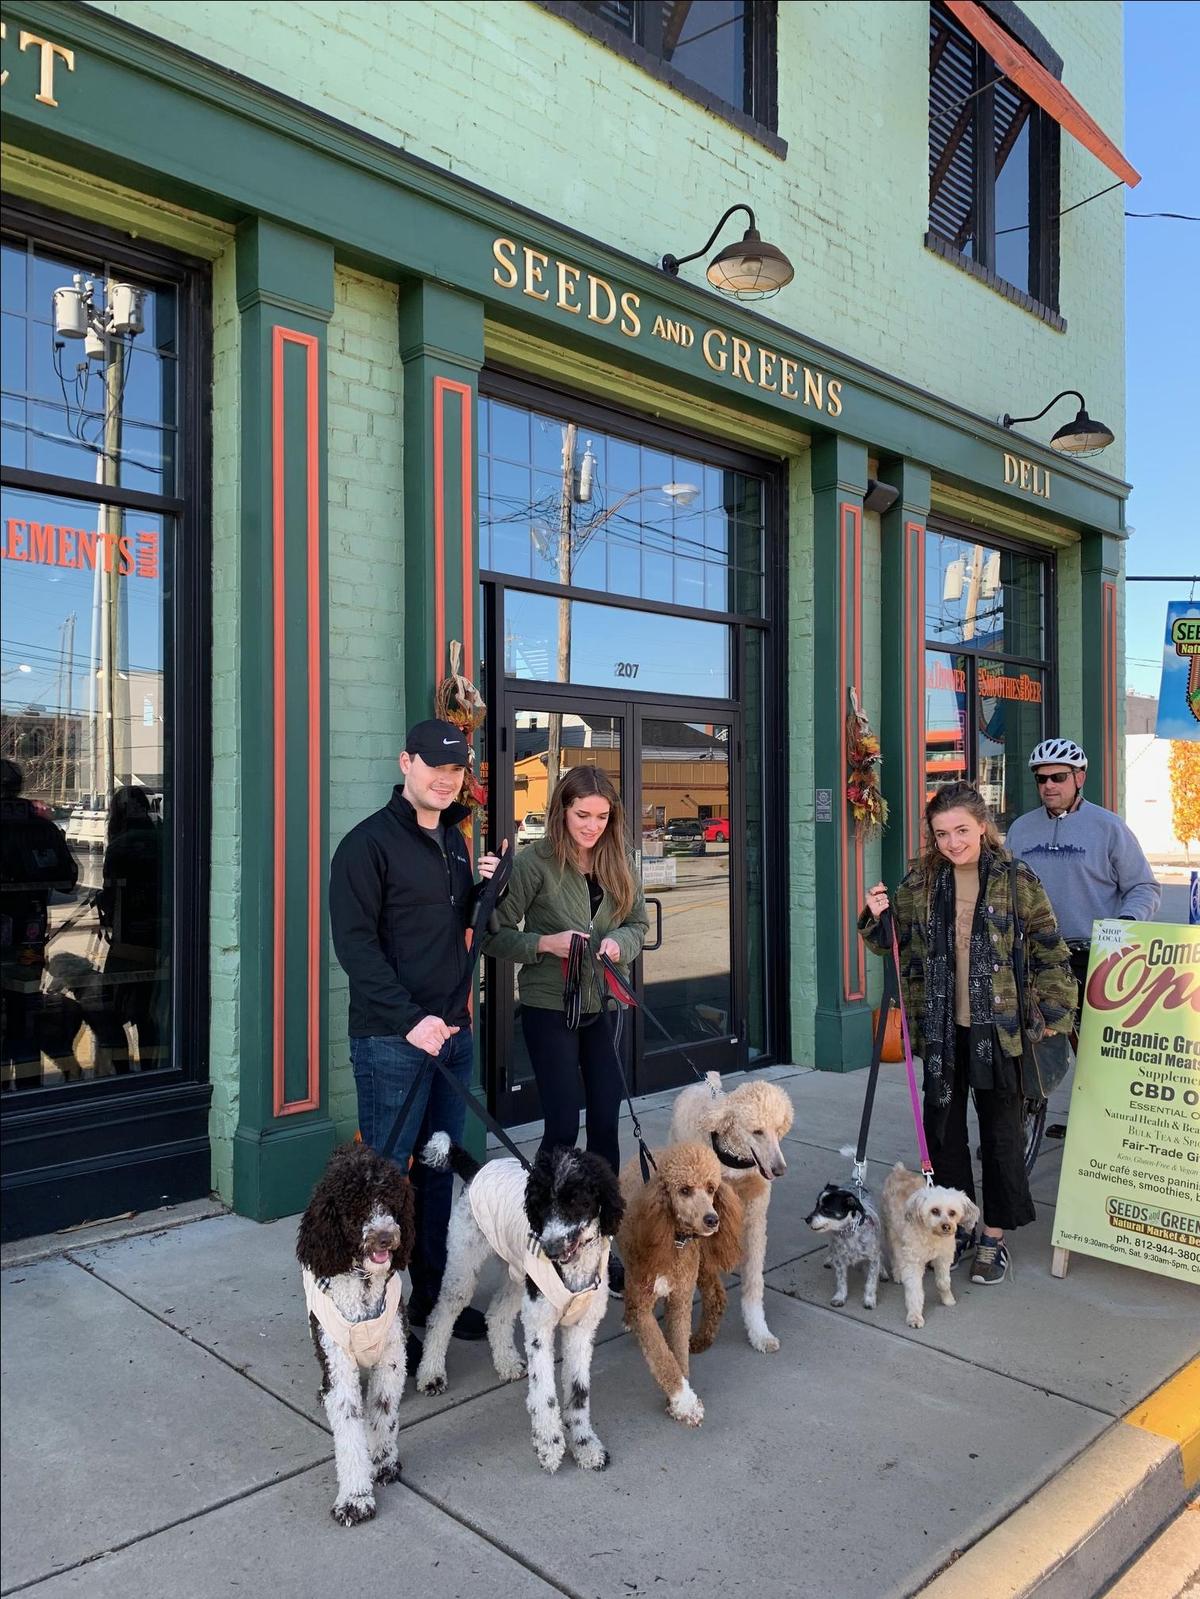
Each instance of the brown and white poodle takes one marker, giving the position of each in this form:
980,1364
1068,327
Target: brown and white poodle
920,1224
355,1239
743,1128
683,1208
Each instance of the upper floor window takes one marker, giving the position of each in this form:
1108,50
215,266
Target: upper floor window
721,52
993,165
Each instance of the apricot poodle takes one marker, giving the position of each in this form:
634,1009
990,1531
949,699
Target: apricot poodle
683,1208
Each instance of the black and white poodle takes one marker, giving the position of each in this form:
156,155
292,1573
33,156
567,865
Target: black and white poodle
849,1220
355,1239
553,1229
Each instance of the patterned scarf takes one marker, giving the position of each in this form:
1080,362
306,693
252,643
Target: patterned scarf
939,1024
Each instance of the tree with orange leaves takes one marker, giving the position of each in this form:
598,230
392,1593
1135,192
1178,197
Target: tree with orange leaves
1184,767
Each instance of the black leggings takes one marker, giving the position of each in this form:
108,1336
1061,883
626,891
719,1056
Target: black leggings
561,1059
1007,1201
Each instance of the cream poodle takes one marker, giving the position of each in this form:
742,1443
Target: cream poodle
920,1224
743,1129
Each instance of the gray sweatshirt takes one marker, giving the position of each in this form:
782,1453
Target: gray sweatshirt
1090,864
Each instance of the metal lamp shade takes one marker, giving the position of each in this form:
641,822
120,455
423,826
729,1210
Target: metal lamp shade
1082,436
750,270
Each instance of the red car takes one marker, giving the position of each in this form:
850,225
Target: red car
716,830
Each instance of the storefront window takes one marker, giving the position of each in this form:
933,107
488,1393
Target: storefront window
568,504
987,682
87,730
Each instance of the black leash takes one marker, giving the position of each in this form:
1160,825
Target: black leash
890,994
573,1011
490,891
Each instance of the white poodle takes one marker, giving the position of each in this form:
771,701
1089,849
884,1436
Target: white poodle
920,1224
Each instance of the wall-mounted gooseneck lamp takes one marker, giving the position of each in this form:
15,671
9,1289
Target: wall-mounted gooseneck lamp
1083,436
751,270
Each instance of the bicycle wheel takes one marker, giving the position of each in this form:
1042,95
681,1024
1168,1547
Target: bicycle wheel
1035,1126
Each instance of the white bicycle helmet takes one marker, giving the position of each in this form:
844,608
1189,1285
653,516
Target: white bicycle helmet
1058,752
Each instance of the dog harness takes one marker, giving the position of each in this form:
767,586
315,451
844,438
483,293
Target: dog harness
363,1341
497,1199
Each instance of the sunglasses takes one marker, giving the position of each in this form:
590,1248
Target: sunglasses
1050,777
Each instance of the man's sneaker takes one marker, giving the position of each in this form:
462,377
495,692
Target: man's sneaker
964,1242
616,1276
991,1261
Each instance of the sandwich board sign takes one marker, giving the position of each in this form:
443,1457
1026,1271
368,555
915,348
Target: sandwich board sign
1130,1184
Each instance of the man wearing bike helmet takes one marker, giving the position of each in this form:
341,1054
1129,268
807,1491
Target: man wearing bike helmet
1089,861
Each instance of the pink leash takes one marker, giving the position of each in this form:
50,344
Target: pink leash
914,1096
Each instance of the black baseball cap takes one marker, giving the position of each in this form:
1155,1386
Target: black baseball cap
438,743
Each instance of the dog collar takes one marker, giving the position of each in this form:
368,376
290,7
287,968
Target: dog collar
682,1240
728,1159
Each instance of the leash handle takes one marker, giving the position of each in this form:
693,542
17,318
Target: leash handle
610,968
910,1068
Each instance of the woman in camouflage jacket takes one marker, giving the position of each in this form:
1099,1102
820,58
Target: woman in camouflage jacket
954,921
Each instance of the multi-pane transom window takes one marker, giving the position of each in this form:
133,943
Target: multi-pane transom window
571,505
993,164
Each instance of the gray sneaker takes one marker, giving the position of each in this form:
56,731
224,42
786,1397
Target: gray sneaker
964,1242
991,1261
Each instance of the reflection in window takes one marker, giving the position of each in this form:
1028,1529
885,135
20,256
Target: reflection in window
103,407
984,598
571,505
548,640
87,912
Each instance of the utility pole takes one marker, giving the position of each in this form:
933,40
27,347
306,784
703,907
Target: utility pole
566,506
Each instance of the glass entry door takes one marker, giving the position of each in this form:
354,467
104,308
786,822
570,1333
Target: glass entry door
679,786
685,793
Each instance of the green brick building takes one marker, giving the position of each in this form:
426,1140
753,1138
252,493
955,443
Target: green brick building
337,332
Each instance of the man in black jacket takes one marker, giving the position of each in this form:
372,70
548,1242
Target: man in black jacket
401,891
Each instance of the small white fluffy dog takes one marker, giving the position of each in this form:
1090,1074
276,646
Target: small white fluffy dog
919,1225
743,1128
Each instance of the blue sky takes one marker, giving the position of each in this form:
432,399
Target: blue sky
1162,45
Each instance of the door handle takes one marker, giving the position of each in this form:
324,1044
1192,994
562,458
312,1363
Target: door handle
657,944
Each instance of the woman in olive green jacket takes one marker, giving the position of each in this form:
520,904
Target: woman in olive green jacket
954,923
578,879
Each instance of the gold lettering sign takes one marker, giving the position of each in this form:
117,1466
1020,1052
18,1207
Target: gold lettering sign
50,53
1027,476
518,268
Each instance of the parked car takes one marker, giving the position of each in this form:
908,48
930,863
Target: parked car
684,827
87,825
716,830
532,825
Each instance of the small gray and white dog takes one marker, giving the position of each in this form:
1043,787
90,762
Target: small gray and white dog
850,1222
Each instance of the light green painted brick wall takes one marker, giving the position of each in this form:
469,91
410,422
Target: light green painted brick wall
511,97
366,617
227,751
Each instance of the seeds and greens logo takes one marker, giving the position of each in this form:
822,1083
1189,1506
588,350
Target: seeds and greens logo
1179,696
1154,1221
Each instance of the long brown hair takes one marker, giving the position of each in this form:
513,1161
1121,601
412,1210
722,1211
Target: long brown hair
955,797
610,858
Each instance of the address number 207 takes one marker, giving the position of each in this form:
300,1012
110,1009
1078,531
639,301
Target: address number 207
627,668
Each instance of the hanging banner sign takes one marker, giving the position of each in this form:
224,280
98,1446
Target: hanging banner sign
1130,1184
1179,695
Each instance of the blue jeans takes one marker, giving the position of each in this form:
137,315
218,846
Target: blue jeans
384,1070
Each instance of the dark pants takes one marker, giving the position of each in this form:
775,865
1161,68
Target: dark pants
564,1062
384,1069
1007,1201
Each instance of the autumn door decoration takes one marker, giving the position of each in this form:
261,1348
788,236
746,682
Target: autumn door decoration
863,793
458,702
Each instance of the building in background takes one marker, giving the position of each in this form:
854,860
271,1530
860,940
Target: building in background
340,334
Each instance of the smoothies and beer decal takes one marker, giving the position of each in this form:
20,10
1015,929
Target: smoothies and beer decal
1130,1185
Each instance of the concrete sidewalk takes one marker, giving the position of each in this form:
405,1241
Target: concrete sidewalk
161,1434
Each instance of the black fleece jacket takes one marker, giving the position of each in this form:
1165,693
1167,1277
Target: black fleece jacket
399,912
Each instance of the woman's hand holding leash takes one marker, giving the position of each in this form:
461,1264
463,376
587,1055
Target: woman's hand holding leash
611,948
558,943
877,900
